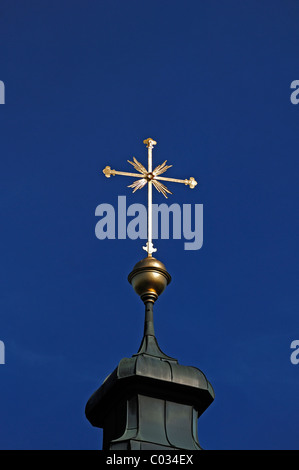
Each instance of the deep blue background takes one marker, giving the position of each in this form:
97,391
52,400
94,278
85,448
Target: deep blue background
86,82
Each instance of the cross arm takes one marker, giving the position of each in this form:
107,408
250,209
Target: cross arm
190,182
108,172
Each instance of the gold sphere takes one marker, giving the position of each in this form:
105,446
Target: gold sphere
149,279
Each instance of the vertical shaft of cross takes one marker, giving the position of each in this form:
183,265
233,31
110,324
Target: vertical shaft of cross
149,202
149,246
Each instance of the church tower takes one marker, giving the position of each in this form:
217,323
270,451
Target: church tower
150,401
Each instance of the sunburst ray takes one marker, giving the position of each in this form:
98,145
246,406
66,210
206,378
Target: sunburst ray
161,168
138,184
138,166
161,188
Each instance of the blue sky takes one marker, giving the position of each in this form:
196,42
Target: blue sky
85,83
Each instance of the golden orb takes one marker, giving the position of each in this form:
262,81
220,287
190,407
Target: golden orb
149,278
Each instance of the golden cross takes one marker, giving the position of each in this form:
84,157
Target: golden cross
151,177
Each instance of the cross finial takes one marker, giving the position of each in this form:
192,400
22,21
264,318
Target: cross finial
150,177
150,143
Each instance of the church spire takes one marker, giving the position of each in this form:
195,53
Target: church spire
150,401
149,278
